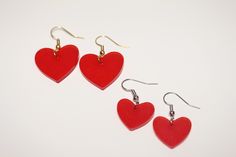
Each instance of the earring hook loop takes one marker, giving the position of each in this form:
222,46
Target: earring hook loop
172,112
109,38
56,28
102,51
135,96
129,90
164,99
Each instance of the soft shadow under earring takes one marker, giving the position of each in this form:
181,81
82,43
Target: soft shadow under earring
58,63
104,69
134,115
172,132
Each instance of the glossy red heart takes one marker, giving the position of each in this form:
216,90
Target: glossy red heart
134,116
59,66
102,73
172,134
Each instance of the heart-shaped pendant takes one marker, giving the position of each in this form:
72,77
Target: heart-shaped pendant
134,116
57,65
104,72
171,133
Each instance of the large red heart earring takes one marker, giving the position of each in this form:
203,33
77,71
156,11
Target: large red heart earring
104,69
57,63
172,132
134,115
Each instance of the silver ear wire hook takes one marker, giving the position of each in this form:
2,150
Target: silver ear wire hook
172,112
135,96
102,50
56,28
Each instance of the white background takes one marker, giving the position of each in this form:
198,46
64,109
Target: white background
186,46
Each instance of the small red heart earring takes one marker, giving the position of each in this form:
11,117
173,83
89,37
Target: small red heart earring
135,115
104,69
172,132
59,63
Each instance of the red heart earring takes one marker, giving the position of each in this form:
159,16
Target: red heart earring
172,132
104,69
134,115
59,63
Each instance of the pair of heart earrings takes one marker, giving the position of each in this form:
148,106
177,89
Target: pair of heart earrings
135,115
101,70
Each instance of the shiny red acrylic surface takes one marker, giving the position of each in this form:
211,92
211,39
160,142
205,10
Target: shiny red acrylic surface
134,116
171,133
59,66
103,73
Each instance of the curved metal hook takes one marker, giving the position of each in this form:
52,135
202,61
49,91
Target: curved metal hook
172,112
129,90
102,51
56,28
105,36
171,105
135,96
